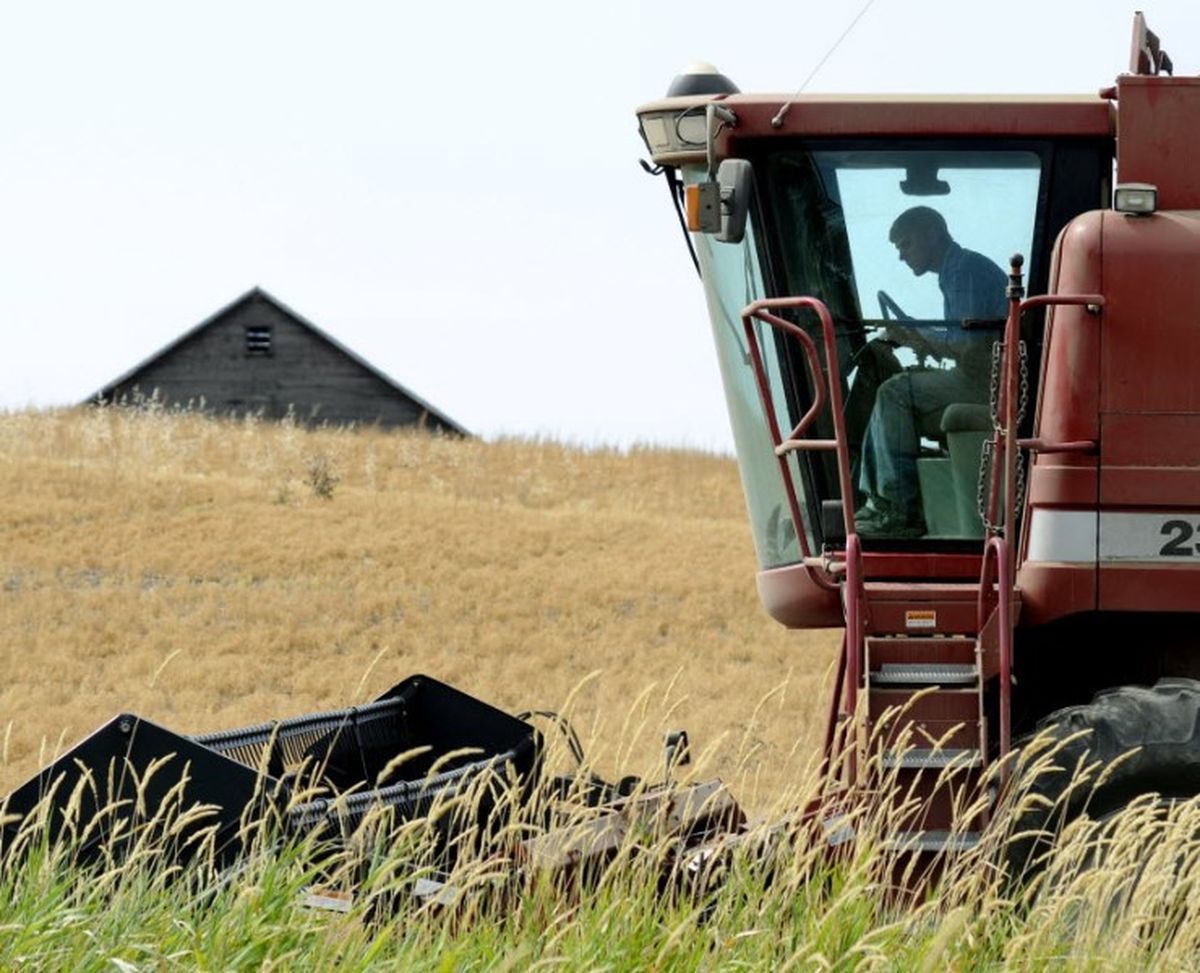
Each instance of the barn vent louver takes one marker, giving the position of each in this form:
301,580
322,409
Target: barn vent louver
258,339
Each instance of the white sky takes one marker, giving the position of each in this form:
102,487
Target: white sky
450,189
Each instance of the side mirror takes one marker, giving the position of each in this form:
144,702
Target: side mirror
736,179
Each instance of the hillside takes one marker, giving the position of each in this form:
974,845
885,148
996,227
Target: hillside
208,574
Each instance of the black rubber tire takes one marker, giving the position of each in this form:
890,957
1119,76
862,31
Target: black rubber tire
1161,722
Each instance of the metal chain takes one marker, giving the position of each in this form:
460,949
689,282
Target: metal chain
986,458
1019,493
981,490
1022,403
986,455
1023,380
994,387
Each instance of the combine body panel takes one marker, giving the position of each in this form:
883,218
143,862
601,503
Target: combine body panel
1111,529
1159,137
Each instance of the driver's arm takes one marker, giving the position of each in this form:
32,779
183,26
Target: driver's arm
916,339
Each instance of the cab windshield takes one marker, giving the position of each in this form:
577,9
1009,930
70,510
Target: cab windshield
910,249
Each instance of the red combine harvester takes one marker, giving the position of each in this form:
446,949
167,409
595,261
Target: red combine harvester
985,467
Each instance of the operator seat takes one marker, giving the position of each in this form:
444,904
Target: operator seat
949,481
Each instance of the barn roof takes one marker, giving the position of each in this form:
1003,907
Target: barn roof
257,292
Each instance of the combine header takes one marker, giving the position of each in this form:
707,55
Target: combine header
420,743
422,751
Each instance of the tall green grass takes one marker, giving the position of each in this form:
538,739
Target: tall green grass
1115,894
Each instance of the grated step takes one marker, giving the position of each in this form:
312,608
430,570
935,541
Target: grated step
937,841
925,673
917,758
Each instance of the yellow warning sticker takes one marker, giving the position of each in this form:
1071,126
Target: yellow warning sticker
922,618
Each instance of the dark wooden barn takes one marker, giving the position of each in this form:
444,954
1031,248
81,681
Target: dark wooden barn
257,356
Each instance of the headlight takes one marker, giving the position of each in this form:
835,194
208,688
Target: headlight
1137,198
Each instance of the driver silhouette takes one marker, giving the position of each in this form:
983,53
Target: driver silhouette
972,286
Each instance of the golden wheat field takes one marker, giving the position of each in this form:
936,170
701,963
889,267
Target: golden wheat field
209,574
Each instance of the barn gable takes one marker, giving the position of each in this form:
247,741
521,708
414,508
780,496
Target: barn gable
257,356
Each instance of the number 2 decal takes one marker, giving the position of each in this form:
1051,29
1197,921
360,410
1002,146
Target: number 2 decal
1176,546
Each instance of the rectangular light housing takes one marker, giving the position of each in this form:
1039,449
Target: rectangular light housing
1135,197
675,136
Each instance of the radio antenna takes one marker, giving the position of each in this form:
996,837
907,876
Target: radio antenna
778,119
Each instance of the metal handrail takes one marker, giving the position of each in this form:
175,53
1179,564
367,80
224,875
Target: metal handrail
1046,448
1004,440
827,386
853,594
823,379
1005,444
1063,300
833,718
997,551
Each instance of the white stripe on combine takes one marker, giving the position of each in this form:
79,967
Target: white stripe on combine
1114,537
1066,536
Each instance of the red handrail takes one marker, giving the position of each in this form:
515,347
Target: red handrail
1065,300
832,719
998,549
822,379
827,386
1044,447
1004,439
853,594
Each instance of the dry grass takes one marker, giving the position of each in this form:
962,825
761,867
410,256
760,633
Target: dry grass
208,574
1113,895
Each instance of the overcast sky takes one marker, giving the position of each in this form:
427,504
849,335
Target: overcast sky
450,189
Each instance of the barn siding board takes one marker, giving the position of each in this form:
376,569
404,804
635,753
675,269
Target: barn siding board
306,371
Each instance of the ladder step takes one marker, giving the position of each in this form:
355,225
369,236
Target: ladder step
921,759
947,704
939,841
904,648
925,673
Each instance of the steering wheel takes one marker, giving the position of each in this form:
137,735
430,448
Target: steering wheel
890,310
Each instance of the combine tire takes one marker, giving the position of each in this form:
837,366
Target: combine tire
1161,723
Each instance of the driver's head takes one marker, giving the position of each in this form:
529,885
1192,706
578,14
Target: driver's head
921,238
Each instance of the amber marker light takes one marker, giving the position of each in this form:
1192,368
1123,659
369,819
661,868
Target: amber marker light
702,207
691,206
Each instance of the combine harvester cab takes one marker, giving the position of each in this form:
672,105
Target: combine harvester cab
420,743
958,359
